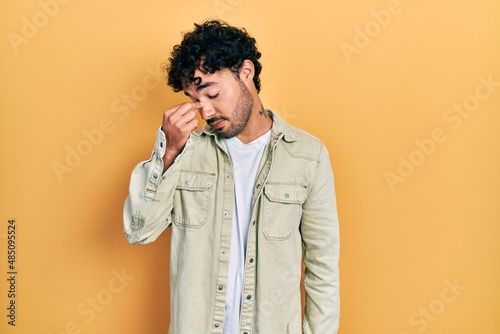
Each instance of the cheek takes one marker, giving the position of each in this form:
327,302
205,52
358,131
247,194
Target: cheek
226,105
228,100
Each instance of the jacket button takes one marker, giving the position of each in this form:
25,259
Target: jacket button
216,325
251,260
249,297
220,287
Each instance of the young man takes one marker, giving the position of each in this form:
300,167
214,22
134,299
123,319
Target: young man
248,198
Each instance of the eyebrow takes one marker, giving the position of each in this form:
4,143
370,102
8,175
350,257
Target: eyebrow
202,86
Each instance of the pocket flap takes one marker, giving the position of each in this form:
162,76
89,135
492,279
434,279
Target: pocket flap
195,181
286,193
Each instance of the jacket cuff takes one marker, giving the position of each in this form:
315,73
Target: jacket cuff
161,143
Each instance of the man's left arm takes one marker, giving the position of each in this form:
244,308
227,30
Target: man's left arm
320,235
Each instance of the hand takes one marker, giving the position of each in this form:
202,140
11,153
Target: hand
178,123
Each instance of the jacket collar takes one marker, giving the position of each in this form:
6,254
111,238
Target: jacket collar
282,128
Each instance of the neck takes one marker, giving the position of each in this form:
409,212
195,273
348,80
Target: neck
259,123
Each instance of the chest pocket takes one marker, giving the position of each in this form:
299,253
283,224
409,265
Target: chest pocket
192,198
282,209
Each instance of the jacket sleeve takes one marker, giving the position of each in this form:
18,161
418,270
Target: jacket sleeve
147,210
320,233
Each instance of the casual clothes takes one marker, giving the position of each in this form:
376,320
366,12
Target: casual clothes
293,217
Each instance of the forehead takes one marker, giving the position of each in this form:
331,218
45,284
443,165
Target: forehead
204,79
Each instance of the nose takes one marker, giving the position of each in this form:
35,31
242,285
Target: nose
207,111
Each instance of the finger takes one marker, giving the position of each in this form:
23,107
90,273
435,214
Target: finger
191,125
180,110
179,120
182,133
196,105
189,107
170,111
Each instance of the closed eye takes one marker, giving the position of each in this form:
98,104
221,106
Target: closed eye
211,97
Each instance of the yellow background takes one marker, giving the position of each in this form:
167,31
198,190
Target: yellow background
418,185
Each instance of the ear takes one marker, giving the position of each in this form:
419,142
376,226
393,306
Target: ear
247,71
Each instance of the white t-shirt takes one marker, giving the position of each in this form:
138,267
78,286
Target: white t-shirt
245,159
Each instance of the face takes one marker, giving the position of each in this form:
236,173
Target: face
227,102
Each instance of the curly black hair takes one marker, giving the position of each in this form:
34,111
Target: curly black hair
212,46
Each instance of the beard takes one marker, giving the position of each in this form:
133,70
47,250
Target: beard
241,114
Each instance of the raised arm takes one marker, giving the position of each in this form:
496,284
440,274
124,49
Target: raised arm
148,206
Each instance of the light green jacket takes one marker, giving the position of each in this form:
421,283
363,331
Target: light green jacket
294,218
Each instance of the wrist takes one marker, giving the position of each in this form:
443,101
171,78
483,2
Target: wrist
169,157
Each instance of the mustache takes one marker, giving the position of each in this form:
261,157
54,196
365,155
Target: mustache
211,120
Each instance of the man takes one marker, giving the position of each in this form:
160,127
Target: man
247,198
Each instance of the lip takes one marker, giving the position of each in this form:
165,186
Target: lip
218,124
